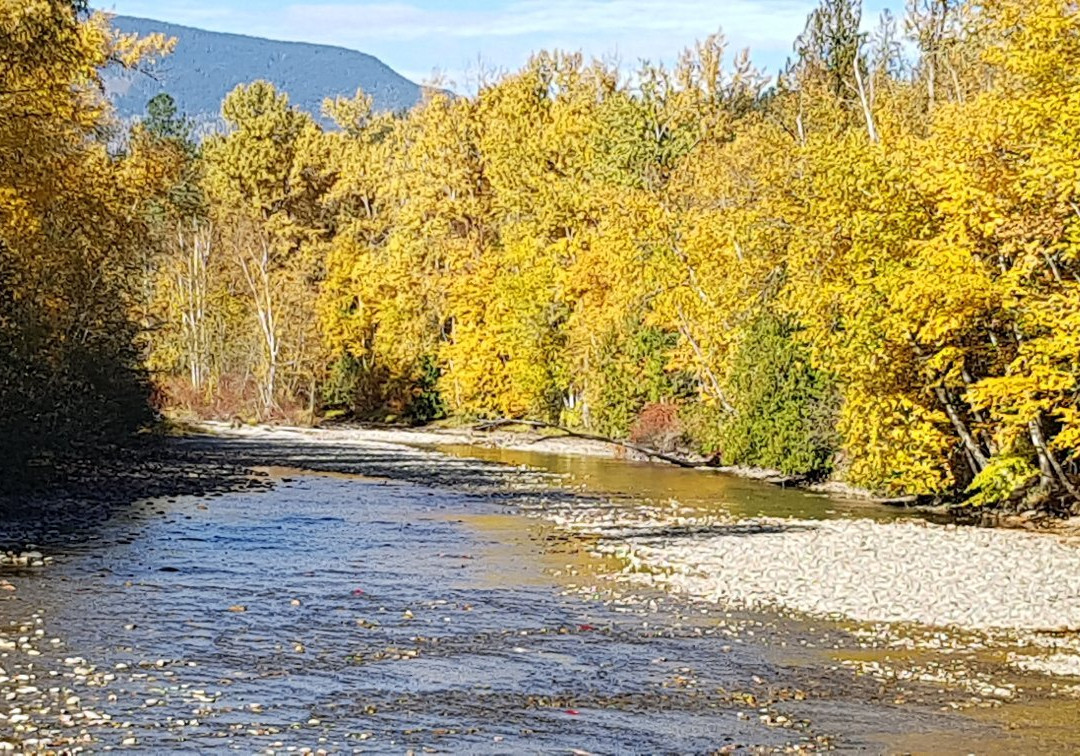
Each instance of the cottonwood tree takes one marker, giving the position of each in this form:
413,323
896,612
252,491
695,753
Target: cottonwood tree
73,232
265,190
869,266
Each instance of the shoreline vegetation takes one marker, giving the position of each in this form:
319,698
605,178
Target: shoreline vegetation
864,268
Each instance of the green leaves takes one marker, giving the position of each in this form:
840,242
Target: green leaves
1002,479
785,410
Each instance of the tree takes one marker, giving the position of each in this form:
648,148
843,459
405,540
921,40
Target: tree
870,264
73,234
265,179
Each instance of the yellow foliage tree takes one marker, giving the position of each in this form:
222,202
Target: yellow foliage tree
73,228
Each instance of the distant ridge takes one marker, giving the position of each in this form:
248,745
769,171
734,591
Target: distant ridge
206,66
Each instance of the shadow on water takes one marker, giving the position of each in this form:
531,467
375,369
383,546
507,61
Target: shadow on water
702,490
76,496
78,500
371,460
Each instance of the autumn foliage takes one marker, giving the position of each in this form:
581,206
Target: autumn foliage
73,220
866,266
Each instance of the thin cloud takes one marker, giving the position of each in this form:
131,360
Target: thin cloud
758,19
421,36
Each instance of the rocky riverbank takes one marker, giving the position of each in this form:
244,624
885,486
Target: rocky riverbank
527,439
524,439
908,583
908,571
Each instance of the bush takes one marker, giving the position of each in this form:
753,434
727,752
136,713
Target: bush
702,424
785,410
1004,478
59,398
632,371
427,403
657,427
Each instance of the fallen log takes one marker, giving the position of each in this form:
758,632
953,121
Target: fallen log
489,425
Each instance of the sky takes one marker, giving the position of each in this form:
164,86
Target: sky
422,39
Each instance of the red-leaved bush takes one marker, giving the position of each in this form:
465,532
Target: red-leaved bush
657,426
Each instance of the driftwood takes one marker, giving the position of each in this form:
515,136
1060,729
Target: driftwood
653,453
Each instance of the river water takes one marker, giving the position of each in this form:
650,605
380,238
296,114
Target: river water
375,598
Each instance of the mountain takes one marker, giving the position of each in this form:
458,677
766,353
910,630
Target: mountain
205,66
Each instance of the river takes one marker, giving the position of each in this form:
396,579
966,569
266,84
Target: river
384,599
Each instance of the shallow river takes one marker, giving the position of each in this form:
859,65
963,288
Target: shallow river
416,607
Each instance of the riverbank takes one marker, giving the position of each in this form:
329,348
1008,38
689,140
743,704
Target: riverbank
524,439
1012,588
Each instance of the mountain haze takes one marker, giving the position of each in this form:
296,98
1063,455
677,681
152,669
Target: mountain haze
205,66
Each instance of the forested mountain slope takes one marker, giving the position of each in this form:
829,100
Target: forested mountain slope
205,66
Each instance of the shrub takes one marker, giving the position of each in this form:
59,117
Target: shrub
657,427
632,371
785,410
427,403
1004,478
702,425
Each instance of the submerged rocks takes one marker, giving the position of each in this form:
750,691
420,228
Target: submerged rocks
28,558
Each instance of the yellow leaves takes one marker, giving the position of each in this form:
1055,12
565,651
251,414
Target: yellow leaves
353,115
248,169
1043,379
895,444
1001,479
547,237
129,50
1067,440
75,242
151,167
345,316
17,215
1034,42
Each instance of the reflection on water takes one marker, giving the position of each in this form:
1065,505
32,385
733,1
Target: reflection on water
703,490
340,613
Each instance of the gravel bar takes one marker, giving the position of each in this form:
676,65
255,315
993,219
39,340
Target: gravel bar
907,571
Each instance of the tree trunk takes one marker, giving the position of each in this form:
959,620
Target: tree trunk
257,273
977,457
1048,463
867,114
192,282
713,381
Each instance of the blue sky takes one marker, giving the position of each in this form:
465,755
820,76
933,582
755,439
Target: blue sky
420,37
